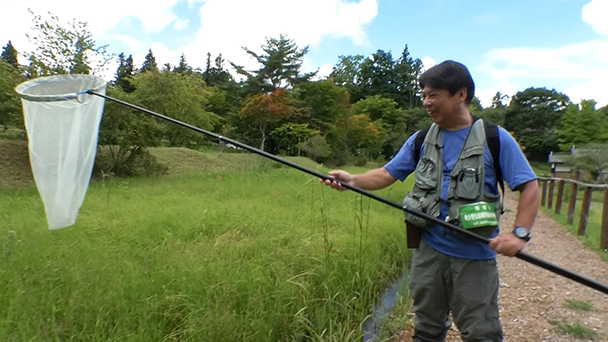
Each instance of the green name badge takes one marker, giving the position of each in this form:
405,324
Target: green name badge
477,215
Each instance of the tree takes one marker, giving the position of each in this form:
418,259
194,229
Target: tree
262,110
360,137
178,96
125,71
322,104
183,67
149,63
10,104
347,74
379,74
63,50
497,101
280,66
9,55
475,107
390,121
288,136
407,71
216,75
580,125
124,138
592,158
534,116
316,148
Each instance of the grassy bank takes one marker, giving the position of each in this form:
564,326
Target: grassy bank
263,253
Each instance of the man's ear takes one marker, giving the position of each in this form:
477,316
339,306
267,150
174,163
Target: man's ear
462,94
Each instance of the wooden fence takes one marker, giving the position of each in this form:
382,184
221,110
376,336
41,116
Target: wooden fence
547,197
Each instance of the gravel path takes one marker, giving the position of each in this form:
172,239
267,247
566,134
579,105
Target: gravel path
535,302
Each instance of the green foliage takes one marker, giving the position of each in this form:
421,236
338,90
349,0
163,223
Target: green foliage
216,75
9,55
475,107
10,104
417,119
183,67
64,50
534,116
179,96
316,148
125,71
149,63
592,158
494,115
322,103
289,135
124,136
380,75
390,121
263,110
580,125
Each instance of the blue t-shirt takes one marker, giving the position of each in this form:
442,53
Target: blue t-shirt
515,171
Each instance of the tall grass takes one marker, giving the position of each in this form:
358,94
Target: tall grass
265,255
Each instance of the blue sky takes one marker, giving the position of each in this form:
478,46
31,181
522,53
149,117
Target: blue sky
507,45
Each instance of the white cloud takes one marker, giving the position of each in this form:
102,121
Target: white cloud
428,62
594,13
579,68
229,25
181,24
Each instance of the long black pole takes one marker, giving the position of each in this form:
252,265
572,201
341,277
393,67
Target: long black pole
521,255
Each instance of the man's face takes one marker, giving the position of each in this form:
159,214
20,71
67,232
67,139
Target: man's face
440,104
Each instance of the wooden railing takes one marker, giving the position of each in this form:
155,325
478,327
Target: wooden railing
547,196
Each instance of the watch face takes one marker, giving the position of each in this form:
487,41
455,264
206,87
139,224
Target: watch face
522,232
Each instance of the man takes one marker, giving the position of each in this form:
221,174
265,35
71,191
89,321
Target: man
451,272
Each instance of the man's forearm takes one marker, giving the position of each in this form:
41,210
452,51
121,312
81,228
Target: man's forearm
527,206
374,179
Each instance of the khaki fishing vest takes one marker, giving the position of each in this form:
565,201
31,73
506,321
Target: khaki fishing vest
466,179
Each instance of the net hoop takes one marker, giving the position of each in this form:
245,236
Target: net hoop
66,87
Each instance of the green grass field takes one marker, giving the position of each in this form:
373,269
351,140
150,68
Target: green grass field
233,248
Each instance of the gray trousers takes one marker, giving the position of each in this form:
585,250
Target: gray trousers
468,288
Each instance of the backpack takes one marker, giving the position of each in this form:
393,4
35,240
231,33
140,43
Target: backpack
492,139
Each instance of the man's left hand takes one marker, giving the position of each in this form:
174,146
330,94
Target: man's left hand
507,244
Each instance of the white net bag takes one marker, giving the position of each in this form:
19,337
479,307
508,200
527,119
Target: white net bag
62,125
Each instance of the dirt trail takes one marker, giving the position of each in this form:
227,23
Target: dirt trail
531,298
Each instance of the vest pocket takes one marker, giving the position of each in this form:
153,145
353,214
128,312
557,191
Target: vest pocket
468,183
426,177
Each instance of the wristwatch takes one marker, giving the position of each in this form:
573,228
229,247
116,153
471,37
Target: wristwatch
522,233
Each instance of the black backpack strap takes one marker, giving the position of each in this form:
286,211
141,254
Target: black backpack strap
493,140
418,141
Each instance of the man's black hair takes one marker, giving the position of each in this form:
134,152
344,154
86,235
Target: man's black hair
451,76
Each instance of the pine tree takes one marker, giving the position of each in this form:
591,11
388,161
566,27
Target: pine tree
9,55
183,67
125,71
149,63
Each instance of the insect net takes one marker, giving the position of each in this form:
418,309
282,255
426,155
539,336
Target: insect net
62,125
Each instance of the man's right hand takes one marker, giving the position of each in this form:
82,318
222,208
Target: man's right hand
340,175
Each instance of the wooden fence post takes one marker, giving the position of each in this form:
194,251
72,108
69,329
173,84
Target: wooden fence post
543,198
550,199
604,233
560,195
582,226
572,203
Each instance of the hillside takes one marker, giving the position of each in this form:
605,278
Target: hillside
15,171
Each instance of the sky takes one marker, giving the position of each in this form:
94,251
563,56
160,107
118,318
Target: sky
508,46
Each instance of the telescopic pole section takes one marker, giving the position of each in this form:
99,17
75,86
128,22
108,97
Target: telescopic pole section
521,255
